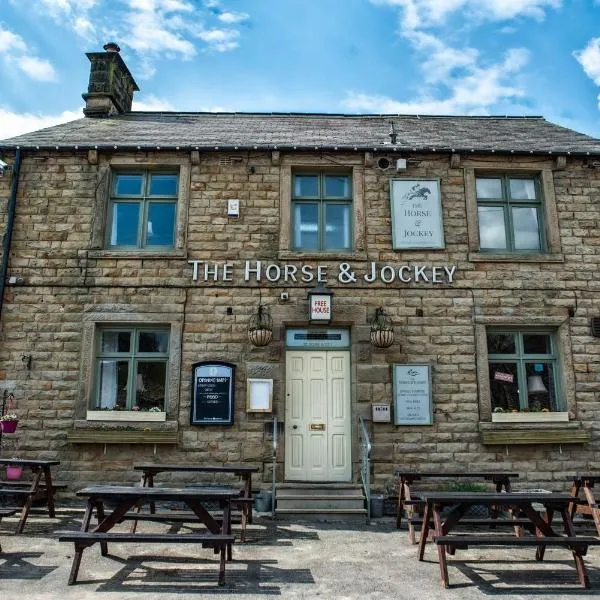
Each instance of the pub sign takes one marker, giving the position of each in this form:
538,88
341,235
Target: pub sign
213,384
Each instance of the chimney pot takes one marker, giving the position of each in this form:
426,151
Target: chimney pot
111,47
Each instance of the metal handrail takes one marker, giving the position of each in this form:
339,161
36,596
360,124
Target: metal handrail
365,466
273,487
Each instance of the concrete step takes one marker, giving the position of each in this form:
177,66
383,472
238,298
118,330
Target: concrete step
319,502
309,514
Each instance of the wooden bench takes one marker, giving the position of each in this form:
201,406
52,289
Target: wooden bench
6,512
578,544
239,517
84,539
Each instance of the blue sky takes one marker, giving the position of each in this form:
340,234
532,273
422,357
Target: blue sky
516,57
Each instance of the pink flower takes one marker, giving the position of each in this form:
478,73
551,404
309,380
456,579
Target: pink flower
136,407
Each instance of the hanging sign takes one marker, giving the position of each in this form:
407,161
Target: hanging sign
412,395
212,393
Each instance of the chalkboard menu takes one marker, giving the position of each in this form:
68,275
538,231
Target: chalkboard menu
412,395
213,385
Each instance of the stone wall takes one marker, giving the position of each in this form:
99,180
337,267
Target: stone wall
67,278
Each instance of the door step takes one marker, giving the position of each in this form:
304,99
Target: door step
320,500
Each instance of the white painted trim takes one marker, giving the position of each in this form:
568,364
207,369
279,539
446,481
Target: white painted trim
125,415
531,417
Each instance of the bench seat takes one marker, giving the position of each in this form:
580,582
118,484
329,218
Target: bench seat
579,543
84,539
487,521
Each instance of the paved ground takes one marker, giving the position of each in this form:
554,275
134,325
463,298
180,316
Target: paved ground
292,560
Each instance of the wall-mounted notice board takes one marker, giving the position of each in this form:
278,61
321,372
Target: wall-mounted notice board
412,394
259,395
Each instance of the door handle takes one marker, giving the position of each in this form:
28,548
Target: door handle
295,427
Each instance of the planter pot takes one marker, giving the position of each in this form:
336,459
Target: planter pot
13,473
382,338
125,415
529,417
260,337
9,426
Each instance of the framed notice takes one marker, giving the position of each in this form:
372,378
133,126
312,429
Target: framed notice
213,385
416,213
412,394
259,395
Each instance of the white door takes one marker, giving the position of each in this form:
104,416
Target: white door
317,416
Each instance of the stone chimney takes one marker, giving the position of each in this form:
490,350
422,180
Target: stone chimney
111,86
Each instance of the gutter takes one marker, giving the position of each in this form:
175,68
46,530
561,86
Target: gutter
10,220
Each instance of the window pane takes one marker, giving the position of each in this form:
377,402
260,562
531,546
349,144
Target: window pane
522,189
129,185
150,384
306,226
306,186
161,224
113,384
526,230
536,343
504,386
163,185
115,341
489,188
501,343
337,226
492,233
125,218
541,394
153,341
337,186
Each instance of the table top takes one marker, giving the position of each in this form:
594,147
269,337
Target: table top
457,474
29,462
591,477
158,493
157,468
492,498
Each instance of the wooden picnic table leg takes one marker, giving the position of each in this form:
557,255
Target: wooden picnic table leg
401,499
575,488
424,530
79,548
248,492
589,496
49,492
577,552
147,480
439,530
35,484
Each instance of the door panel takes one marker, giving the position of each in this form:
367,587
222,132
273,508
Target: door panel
318,416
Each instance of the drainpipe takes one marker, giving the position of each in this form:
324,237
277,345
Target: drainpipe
10,220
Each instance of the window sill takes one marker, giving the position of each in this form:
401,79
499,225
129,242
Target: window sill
524,417
522,258
337,256
503,434
132,254
125,415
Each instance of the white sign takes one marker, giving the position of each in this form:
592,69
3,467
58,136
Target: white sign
416,213
320,307
412,395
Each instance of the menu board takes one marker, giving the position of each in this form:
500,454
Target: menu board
412,395
213,385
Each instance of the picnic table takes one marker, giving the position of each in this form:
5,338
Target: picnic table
519,504
244,472
39,487
584,482
408,499
124,498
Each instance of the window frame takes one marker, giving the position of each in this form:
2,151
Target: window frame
133,357
322,202
507,203
520,358
145,200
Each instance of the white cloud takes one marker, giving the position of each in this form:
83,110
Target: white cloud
220,40
152,103
37,68
589,59
83,28
10,41
233,17
13,124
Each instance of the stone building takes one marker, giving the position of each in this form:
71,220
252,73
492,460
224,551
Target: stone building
175,284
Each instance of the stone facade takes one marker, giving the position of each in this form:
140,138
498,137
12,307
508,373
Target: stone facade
69,284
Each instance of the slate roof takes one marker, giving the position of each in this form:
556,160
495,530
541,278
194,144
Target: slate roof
243,131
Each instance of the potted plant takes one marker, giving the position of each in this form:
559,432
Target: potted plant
9,422
14,472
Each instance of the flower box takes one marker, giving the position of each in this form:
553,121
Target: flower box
529,417
125,415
